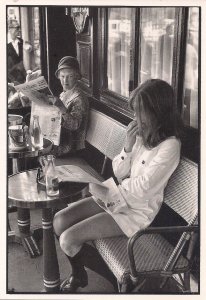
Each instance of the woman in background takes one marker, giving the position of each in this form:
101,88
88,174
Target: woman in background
74,107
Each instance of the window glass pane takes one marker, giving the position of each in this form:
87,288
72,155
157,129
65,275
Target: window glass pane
118,53
36,60
156,40
191,70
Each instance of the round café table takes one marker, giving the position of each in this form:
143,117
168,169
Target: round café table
25,192
20,159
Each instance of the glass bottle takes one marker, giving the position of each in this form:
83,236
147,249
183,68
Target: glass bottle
52,182
36,135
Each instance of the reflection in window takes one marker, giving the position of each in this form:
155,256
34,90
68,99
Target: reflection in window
157,40
28,20
36,61
119,45
191,70
23,51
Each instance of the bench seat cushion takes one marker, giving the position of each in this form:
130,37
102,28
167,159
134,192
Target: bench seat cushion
151,253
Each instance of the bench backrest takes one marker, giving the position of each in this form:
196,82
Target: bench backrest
105,134
181,192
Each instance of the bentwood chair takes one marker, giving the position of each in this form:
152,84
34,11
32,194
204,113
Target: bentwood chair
150,253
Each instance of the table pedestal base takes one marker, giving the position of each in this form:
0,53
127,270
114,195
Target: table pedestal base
25,237
29,242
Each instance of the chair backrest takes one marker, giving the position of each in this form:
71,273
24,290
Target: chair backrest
105,134
181,193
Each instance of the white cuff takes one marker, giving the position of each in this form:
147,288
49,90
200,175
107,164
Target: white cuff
125,183
124,155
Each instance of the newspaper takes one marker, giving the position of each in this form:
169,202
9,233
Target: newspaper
36,90
106,194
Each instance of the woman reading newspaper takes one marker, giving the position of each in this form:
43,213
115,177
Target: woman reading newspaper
149,157
74,107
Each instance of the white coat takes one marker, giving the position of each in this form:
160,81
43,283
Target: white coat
143,175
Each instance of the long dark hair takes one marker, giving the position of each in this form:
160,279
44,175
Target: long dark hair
156,97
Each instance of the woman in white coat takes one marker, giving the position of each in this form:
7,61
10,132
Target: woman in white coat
149,157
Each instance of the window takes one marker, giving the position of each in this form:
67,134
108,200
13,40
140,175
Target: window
190,112
140,43
28,20
138,48
23,50
118,50
35,36
156,43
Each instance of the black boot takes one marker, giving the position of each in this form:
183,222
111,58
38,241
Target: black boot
78,277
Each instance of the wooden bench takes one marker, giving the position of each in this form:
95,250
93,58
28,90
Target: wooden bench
148,253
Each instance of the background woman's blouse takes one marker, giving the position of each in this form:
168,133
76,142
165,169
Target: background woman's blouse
74,122
143,175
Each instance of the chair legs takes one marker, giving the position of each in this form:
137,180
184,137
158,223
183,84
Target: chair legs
187,288
131,287
122,287
128,287
182,282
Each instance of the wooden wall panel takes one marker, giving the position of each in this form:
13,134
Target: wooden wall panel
84,58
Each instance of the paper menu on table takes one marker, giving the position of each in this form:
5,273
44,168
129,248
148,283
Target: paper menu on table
49,121
75,174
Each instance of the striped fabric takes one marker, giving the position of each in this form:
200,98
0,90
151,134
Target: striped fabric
181,193
151,254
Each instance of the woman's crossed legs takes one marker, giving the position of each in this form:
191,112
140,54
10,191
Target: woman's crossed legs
83,221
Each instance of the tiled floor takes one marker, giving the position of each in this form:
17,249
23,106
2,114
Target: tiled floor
25,274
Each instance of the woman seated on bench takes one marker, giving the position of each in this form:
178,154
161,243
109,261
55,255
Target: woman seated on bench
74,107
150,155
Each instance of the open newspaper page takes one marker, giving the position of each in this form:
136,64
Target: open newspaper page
108,196
35,90
38,91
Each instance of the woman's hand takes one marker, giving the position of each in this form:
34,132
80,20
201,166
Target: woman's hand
58,103
132,131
